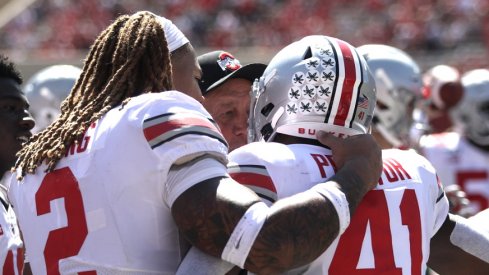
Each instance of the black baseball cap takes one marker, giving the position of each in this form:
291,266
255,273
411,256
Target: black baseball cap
219,66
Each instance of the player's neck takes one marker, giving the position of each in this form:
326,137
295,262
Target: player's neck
383,142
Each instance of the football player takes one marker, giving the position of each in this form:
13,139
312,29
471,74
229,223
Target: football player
461,156
15,129
324,84
399,86
399,89
132,170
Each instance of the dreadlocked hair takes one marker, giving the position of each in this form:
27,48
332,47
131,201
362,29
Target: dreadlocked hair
128,58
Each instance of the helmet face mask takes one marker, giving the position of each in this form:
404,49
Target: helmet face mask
391,118
316,83
472,113
399,85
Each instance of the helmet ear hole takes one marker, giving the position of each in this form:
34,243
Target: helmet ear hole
267,109
266,131
308,53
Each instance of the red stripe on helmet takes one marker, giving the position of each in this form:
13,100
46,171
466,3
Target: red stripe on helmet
348,84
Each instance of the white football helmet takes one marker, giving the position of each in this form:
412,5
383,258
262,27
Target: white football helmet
399,85
442,90
316,83
45,91
472,113
442,86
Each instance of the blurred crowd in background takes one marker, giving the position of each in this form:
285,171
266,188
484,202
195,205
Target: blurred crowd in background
428,26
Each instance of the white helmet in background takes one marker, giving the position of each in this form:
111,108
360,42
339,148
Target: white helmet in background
442,90
472,113
45,91
316,83
399,85
442,86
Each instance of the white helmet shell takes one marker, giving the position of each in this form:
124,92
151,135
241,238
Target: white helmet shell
399,85
472,113
316,83
441,80
45,91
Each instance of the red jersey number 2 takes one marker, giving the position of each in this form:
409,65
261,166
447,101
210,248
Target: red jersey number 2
66,241
373,210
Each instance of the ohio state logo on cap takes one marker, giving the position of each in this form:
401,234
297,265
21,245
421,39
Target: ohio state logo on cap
227,62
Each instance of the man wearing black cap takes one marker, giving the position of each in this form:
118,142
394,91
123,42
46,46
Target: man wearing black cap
226,86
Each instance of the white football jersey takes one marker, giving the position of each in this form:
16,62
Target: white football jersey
391,229
459,162
11,247
107,206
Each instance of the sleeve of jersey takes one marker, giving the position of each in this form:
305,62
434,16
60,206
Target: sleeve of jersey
437,194
176,126
178,129
247,168
441,206
189,174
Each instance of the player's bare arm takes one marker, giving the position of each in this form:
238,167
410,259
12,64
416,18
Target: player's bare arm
449,256
304,220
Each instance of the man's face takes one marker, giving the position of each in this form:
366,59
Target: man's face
229,105
15,122
186,74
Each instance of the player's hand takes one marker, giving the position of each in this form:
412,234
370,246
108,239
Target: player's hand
459,203
361,152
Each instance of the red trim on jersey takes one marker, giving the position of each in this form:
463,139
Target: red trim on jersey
253,179
348,84
159,129
8,266
438,181
20,260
